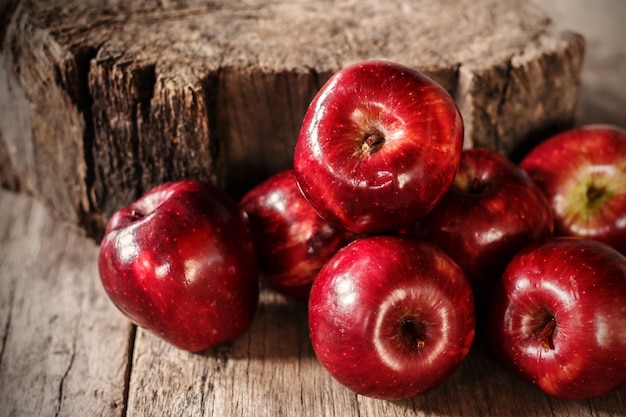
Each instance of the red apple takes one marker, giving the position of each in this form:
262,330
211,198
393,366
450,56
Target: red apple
391,316
180,261
558,317
491,211
582,172
378,148
293,241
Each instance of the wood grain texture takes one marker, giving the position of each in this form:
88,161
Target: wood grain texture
104,100
66,351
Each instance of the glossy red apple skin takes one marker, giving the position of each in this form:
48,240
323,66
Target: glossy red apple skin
293,241
391,316
378,148
582,172
578,286
491,211
180,261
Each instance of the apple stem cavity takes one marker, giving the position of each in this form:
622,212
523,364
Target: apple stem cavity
477,186
372,143
547,334
412,334
470,183
594,194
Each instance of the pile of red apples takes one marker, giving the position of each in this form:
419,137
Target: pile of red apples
404,245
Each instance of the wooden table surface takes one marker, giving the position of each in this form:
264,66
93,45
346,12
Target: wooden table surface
65,350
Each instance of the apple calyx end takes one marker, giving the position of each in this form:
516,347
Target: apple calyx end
372,142
412,334
547,334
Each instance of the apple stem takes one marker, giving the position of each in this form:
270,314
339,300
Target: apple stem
412,335
372,143
547,334
135,214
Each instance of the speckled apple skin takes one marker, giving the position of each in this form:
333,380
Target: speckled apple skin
360,301
180,261
386,186
568,166
580,285
292,240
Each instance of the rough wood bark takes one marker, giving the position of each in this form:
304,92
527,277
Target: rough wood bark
103,100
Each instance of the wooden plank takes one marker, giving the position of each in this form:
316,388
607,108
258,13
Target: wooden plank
65,348
272,371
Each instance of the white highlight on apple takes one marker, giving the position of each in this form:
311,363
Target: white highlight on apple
359,117
490,236
162,270
344,288
192,270
568,300
276,201
318,116
403,179
127,247
603,331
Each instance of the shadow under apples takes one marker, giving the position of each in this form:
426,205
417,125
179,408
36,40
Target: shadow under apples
279,330
481,386
278,339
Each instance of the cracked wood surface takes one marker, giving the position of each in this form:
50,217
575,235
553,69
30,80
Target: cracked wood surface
108,99
66,351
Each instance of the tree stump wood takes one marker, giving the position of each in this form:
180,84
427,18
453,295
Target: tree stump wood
100,101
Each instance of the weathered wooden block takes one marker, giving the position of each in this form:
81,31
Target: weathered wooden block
99,101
